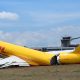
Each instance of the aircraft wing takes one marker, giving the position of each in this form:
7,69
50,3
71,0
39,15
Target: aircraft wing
12,61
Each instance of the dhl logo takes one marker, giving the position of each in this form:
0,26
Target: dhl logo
2,49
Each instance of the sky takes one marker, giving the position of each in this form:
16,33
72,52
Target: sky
39,23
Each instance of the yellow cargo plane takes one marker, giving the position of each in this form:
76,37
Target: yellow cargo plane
22,56
26,55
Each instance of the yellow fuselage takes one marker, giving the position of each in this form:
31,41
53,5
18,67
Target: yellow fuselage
33,57
71,58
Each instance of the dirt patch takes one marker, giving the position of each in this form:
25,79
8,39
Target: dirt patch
56,72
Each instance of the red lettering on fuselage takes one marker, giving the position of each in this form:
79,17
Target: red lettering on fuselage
2,49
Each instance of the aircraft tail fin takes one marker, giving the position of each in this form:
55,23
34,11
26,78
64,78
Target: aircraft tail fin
77,50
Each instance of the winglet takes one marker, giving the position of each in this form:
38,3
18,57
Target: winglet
77,50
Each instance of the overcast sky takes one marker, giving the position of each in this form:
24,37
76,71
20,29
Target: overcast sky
36,23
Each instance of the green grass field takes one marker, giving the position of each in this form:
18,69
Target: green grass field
56,72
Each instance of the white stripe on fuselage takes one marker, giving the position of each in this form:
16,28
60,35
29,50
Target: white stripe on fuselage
58,52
